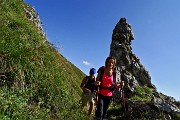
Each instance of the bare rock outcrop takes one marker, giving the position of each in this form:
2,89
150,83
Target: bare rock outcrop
135,75
33,16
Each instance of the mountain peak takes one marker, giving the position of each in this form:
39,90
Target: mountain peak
140,93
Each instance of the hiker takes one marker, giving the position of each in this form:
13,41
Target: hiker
106,86
88,88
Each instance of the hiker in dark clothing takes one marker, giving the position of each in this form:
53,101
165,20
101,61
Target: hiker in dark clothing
88,88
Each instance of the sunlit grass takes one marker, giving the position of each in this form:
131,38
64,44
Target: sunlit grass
36,82
143,94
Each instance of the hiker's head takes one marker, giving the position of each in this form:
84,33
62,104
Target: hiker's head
110,61
92,71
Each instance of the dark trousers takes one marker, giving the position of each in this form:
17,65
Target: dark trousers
102,106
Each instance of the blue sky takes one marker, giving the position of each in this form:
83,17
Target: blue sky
82,31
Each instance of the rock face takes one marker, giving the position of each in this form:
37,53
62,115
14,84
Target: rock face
33,16
128,64
133,73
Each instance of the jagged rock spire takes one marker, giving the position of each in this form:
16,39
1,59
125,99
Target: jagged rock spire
133,73
128,64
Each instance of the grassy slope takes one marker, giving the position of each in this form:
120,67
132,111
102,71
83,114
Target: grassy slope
35,80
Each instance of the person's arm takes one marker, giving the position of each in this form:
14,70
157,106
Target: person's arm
83,84
98,81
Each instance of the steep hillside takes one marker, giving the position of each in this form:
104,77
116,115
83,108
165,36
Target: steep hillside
36,82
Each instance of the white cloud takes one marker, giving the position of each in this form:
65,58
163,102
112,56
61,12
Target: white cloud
86,63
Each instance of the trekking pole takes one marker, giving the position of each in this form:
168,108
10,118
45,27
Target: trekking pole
123,101
97,94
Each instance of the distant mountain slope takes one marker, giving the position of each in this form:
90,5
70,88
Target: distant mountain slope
36,82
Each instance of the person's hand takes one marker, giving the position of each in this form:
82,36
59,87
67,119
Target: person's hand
122,83
97,83
118,86
88,91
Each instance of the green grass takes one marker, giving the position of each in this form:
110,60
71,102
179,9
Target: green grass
36,81
143,93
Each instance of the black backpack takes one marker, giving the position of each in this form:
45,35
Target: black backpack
90,84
